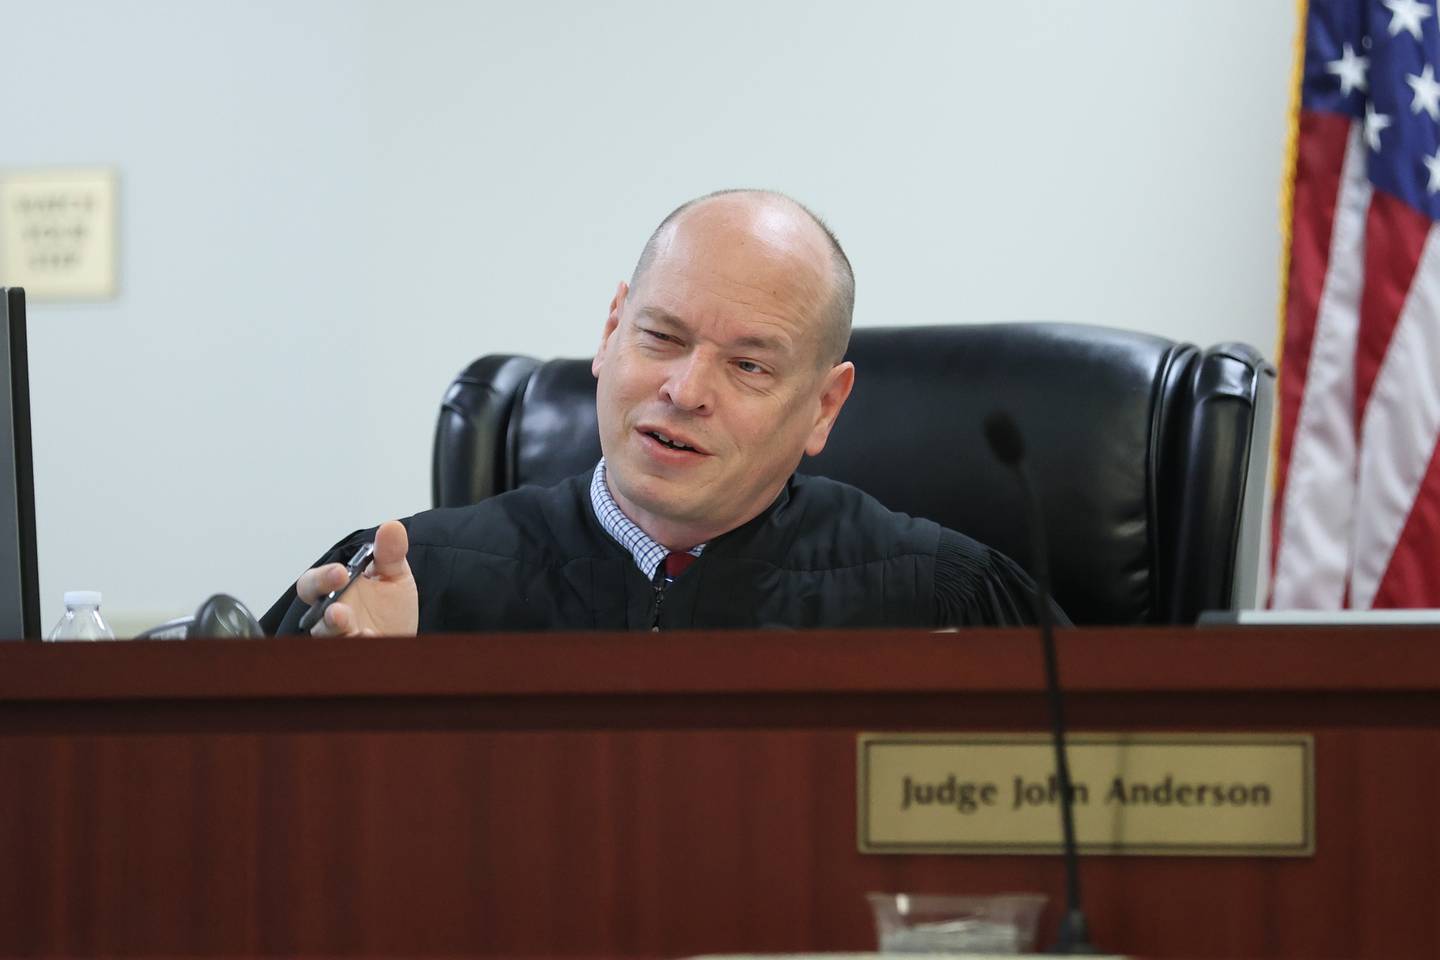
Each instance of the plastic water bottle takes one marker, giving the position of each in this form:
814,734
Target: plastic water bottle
82,620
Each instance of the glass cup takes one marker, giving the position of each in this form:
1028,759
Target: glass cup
944,923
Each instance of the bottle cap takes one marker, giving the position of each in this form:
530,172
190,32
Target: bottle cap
82,598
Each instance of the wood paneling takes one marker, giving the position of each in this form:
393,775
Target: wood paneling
628,795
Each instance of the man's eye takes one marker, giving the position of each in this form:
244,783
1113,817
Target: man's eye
657,335
749,366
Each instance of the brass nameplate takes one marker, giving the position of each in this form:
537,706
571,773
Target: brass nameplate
1209,794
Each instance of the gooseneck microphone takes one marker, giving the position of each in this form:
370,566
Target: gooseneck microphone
1009,448
220,616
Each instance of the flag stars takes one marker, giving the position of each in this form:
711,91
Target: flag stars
1350,68
1406,15
1374,124
1432,163
1427,92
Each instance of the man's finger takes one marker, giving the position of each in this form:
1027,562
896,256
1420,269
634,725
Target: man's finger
314,584
392,543
323,627
339,620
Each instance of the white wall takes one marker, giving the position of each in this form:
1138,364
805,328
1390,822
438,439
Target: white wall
329,207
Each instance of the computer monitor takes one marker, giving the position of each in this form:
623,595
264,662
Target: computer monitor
19,576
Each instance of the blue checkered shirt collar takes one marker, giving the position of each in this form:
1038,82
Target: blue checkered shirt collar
647,553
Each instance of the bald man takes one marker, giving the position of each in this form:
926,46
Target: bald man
720,365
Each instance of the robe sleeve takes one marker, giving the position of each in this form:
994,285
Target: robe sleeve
976,586
284,616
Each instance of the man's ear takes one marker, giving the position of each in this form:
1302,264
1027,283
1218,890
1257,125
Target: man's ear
617,306
834,391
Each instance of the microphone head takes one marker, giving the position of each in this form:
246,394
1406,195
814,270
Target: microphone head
224,616
1004,438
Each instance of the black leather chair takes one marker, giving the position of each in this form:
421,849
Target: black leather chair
1149,456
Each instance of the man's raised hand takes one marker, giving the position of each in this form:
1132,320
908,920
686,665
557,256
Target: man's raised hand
381,602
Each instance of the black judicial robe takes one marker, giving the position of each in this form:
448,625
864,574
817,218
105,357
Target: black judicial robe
823,555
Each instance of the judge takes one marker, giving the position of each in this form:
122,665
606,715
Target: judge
720,365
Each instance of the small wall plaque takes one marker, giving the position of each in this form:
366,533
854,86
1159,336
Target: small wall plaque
57,233
1136,793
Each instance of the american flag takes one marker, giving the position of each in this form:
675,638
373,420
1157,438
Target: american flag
1357,504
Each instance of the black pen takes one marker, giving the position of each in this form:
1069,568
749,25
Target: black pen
354,568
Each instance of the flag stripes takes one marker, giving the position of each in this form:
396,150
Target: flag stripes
1311,544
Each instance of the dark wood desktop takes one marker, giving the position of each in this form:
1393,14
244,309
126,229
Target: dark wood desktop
660,794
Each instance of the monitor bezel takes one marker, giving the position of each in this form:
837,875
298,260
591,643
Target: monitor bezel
13,304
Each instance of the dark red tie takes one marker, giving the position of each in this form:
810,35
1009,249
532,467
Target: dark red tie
677,563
